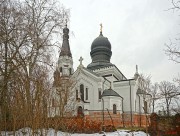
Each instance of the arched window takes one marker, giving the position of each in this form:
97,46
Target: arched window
145,106
60,69
80,111
114,109
82,92
86,93
76,94
70,71
99,91
53,102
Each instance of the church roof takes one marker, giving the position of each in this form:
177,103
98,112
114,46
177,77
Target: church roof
110,92
100,53
109,69
90,71
98,65
65,49
101,41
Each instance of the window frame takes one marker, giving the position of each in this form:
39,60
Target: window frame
99,94
114,109
87,93
77,94
81,87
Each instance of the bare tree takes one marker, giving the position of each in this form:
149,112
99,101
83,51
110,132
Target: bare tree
168,91
173,51
176,107
144,83
27,31
10,21
62,95
154,94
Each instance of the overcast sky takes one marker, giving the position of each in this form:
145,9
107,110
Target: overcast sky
136,29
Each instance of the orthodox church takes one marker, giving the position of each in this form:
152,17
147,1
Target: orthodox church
99,91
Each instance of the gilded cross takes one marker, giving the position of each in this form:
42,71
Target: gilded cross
101,27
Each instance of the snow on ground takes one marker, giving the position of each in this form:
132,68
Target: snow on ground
51,132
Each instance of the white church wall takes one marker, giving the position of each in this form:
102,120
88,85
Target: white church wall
90,86
65,60
117,102
93,92
148,99
123,89
125,93
66,63
138,104
106,103
110,100
133,95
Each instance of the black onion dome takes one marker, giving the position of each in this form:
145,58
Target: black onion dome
101,41
100,52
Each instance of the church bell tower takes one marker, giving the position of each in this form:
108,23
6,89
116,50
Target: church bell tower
65,61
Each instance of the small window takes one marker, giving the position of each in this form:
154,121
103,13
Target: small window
80,111
60,69
53,102
76,94
70,71
99,94
114,109
86,93
145,106
82,92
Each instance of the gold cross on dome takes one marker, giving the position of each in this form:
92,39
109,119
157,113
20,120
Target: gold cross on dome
101,27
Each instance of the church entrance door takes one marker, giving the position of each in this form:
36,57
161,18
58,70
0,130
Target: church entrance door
80,112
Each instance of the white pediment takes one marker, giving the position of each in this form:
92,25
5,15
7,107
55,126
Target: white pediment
112,71
86,74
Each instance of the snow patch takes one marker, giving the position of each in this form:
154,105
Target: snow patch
52,132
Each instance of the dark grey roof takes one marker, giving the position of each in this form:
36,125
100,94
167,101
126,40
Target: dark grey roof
65,49
101,41
90,71
98,65
110,92
100,52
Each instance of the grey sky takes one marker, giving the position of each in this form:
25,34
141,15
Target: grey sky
137,30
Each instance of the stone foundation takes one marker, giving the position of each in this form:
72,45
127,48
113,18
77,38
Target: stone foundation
119,120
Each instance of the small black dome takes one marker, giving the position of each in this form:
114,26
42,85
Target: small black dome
110,92
66,30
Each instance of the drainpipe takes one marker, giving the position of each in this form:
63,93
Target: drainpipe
139,109
130,103
103,114
103,100
122,110
103,105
